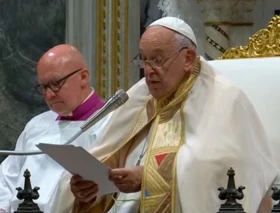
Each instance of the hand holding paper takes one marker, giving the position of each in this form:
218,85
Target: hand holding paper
78,161
128,180
84,190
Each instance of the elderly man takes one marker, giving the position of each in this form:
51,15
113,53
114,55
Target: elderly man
183,128
64,81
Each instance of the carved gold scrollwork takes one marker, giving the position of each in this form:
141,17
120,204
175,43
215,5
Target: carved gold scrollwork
115,37
264,43
101,47
126,44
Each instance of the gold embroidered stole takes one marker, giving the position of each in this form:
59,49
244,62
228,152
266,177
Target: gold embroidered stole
167,135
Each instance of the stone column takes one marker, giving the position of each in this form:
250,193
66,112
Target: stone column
80,29
220,18
107,32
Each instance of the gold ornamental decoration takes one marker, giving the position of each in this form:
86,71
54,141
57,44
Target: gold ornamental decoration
264,43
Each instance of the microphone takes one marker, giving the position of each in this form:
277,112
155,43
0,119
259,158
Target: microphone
112,104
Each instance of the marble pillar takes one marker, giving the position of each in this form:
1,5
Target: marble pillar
28,28
80,29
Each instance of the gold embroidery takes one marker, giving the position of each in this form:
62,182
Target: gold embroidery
264,43
168,134
168,149
167,106
141,120
152,203
159,185
163,168
183,137
149,203
144,117
165,205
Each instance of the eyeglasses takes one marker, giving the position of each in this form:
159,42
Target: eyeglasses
154,63
55,86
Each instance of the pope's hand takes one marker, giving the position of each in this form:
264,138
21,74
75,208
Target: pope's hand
127,180
84,190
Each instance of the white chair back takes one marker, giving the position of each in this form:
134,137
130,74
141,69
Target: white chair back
259,78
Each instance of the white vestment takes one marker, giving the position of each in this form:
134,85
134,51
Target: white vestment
45,172
129,202
222,131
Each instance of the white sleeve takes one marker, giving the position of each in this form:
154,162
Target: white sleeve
232,136
9,173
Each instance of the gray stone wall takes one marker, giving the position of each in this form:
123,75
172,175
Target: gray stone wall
28,28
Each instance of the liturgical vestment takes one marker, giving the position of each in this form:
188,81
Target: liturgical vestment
188,140
47,127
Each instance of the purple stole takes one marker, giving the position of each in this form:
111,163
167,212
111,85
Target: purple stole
85,110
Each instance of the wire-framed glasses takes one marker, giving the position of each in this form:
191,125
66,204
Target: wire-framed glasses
154,63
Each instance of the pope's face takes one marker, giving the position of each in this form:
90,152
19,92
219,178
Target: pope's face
166,64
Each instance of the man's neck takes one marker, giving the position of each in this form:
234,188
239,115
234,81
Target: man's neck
90,105
88,94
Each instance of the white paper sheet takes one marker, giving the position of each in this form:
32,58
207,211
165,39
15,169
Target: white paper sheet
77,160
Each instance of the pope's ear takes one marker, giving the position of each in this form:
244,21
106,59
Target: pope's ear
190,57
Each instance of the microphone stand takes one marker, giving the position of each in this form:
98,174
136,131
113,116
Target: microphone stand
113,103
28,194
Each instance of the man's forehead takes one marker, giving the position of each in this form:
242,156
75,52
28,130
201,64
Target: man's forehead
158,34
53,71
54,62
157,42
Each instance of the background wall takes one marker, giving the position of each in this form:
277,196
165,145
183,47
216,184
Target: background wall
107,32
191,12
28,28
263,12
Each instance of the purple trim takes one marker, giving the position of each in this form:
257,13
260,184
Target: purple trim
84,111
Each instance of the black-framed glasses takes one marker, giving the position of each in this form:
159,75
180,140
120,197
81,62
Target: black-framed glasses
54,86
154,63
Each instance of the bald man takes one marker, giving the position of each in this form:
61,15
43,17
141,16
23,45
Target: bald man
64,81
